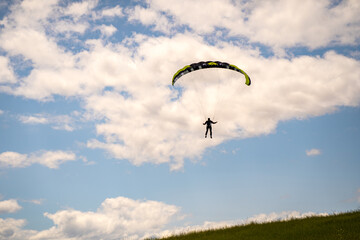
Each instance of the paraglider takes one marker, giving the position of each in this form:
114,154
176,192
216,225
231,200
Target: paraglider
207,65
208,127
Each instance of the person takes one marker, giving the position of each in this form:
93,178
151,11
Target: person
208,127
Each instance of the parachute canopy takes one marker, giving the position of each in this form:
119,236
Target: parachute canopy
209,64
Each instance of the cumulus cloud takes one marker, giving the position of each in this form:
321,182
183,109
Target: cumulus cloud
277,24
201,16
50,159
313,152
9,206
124,218
148,125
307,23
24,34
127,83
120,218
116,218
12,229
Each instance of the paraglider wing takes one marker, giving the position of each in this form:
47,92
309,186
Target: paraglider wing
208,64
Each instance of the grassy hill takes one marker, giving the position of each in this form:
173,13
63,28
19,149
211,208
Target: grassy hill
345,226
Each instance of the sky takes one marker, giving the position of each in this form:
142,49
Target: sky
95,142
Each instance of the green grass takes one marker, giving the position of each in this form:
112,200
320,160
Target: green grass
345,226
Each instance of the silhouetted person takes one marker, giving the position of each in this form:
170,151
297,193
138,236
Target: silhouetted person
208,127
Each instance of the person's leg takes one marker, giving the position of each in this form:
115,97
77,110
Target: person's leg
207,129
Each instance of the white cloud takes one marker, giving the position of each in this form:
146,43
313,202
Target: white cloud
260,218
313,152
12,229
9,206
128,83
36,119
116,218
112,12
278,24
124,218
150,17
106,30
64,26
283,216
36,46
13,159
24,34
148,127
6,72
50,159
202,16
142,124
313,24
29,13
78,9
58,122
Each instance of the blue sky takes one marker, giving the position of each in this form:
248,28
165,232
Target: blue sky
95,143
